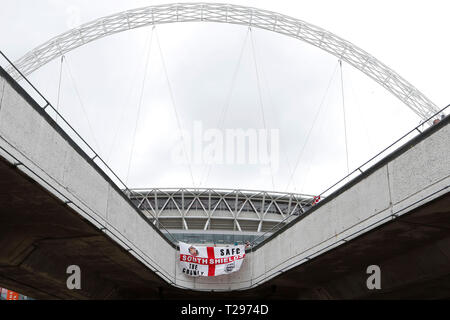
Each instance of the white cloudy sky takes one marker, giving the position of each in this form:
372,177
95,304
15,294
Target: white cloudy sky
105,79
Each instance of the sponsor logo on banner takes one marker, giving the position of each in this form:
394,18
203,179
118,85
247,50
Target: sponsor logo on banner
202,261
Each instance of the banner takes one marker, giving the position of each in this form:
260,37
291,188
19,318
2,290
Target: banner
11,295
201,261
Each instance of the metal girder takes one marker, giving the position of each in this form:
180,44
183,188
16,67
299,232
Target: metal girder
239,206
233,14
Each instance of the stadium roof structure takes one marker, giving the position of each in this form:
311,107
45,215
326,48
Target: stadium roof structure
222,209
231,14
219,209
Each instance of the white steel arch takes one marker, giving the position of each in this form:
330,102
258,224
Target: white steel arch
233,14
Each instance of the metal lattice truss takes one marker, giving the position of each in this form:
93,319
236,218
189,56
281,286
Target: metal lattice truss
227,13
219,209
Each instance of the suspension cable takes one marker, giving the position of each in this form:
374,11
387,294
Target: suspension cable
319,132
260,99
81,103
343,112
59,88
227,103
360,113
127,100
311,128
139,105
172,98
271,104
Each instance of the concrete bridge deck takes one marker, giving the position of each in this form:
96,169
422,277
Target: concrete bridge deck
58,208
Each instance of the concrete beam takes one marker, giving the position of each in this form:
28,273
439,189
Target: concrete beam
126,256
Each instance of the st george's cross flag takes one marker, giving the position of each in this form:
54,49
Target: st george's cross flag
210,261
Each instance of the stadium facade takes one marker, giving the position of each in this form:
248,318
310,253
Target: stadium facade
219,216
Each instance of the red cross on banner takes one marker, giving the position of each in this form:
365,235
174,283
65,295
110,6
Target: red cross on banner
211,268
210,261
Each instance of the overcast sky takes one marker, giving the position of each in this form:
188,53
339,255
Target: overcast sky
102,84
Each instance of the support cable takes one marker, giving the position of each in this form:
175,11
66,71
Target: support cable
172,98
81,103
261,104
59,88
139,106
319,109
271,104
361,115
128,99
343,112
227,103
319,130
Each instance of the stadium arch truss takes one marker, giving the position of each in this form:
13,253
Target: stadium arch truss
233,14
220,210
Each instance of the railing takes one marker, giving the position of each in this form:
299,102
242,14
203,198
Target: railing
68,129
222,191
95,157
233,199
359,170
